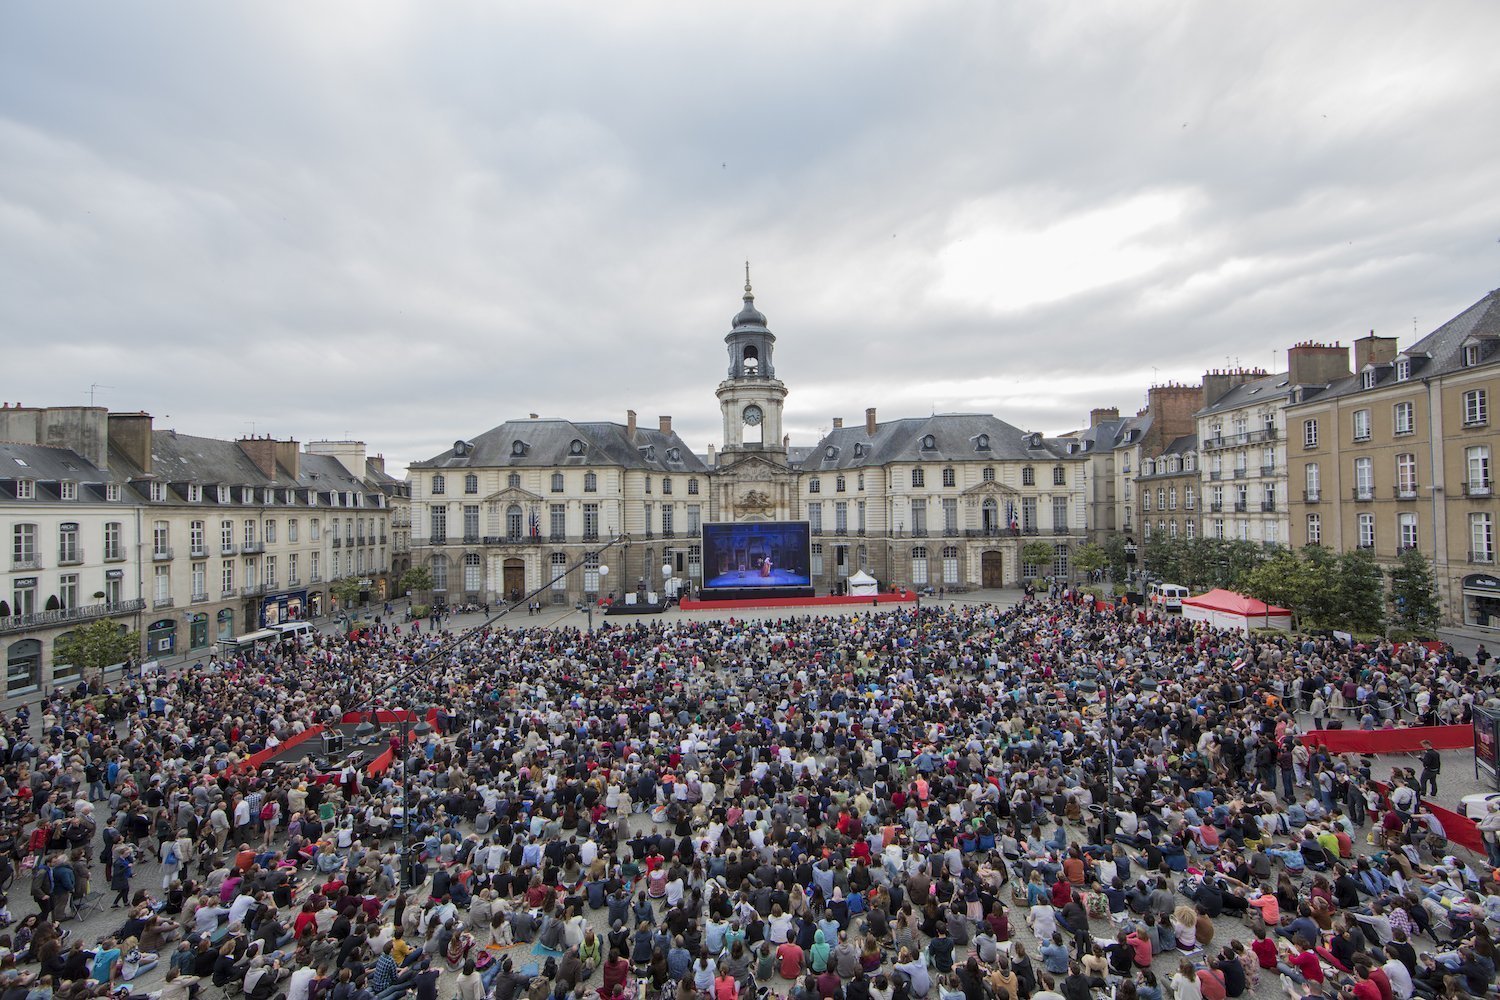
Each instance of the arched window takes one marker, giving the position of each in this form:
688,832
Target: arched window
559,577
23,666
989,515
928,442
514,522
666,484
750,359
575,447
919,566
473,578
440,572
590,483
471,483
982,443
439,485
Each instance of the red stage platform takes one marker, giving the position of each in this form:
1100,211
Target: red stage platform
907,597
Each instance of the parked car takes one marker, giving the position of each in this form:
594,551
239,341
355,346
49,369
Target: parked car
1475,806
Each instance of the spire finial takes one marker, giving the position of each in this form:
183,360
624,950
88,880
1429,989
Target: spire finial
747,278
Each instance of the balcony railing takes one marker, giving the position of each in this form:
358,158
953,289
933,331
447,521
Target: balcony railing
950,532
315,578
227,593
359,540
513,540
470,538
919,532
229,550
1363,493
1311,496
338,543
1477,489
65,616
162,602
1268,505
1216,507
1482,557
1239,473
70,557
1405,492
198,598
668,533
1267,471
114,555
198,552
1240,506
161,554
382,539
1215,474
252,548
992,531
253,590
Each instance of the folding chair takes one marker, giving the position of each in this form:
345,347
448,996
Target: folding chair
92,903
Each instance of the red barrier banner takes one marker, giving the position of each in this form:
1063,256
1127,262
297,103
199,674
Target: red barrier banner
1407,740
1458,829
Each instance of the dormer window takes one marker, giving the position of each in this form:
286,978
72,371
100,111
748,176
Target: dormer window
158,491
459,449
982,443
575,447
517,449
1369,379
112,492
25,489
1403,369
830,452
859,450
928,442
67,490
223,494
1471,355
674,454
194,493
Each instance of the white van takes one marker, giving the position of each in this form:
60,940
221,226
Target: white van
1167,596
295,629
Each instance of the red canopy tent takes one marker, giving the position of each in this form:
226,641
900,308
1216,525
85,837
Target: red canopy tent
1227,609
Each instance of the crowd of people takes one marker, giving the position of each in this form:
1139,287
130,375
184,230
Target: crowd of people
965,802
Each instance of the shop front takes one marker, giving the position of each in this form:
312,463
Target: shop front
1482,600
290,606
161,637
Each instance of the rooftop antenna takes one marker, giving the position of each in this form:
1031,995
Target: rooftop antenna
252,427
97,385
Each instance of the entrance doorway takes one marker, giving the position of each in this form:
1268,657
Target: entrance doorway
992,570
514,579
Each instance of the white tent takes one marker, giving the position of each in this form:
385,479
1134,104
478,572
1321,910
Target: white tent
862,584
1226,609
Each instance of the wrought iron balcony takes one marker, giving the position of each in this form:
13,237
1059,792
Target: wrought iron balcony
67,616
1477,488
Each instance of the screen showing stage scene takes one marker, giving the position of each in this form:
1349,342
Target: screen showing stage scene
756,554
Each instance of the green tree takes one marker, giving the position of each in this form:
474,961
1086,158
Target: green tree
97,645
1114,552
1280,579
1090,558
1322,604
1361,592
1240,558
1414,596
1038,554
417,580
347,591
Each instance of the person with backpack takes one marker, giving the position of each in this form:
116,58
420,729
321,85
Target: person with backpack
270,816
41,886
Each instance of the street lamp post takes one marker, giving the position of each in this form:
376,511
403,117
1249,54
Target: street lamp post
1088,686
421,729
587,608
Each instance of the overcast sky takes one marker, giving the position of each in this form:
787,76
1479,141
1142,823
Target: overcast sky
409,222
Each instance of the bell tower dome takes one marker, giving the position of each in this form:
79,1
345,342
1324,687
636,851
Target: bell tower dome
751,397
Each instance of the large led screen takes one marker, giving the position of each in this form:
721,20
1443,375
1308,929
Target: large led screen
756,554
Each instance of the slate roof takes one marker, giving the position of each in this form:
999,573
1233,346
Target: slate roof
955,439
1258,390
1440,352
187,458
548,443
48,467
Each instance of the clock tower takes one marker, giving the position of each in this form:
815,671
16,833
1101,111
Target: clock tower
753,481
752,396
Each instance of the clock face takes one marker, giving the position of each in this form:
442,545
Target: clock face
752,415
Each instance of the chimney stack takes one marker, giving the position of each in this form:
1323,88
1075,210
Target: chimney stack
664,424
838,423
1309,363
262,452
532,416
1100,414
870,421
710,462
131,433
630,424
1373,350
